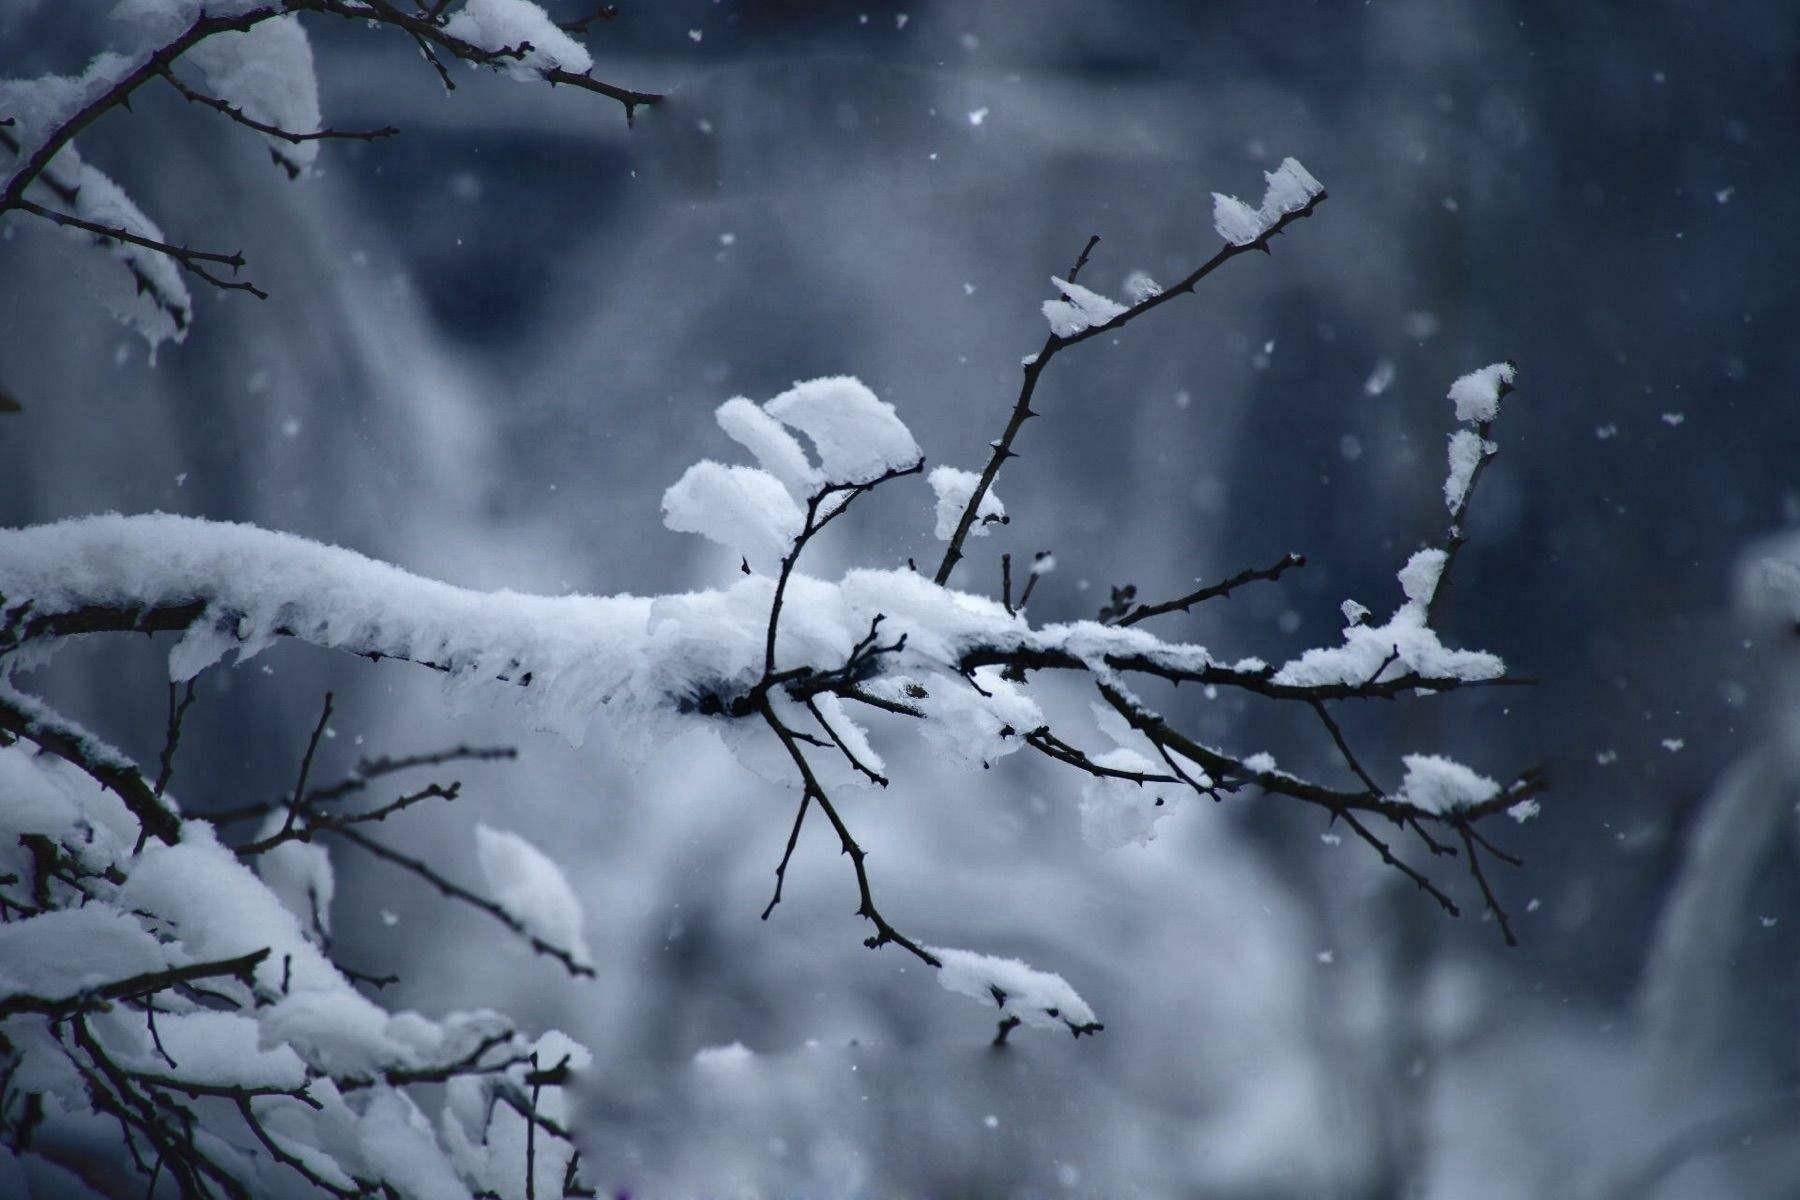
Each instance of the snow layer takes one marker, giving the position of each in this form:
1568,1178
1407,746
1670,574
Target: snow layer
1439,785
857,436
525,882
1477,394
1036,998
629,663
267,73
744,509
953,487
1466,450
1078,309
1406,644
36,958
776,450
1289,188
512,26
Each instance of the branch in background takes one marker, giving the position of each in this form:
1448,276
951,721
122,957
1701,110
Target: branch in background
455,892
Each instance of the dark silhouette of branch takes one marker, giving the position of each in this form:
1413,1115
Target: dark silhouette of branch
101,996
186,257
367,772
297,801
1055,343
846,495
1144,612
463,895
232,112
426,27
884,932
604,12
172,739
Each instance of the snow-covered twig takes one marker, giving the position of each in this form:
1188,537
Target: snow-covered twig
1056,342
259,69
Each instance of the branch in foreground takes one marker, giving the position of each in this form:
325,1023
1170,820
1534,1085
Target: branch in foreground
23,717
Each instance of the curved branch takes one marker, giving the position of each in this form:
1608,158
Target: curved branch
23,717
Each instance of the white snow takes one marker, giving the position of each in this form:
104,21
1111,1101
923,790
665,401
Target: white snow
1439,785
1411,645
1477,394
1289,188
1119,812
36,957
510,25
267,73
1466,450
1078,308
1139,287
743,509
300,875
1419,577
953,487
857,437
776,450
1037,998
525,882
1236,221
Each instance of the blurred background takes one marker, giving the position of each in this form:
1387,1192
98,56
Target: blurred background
492,342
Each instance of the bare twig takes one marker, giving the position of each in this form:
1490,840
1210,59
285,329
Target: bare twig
1144,612
884,932
1056,343
453,891
177,710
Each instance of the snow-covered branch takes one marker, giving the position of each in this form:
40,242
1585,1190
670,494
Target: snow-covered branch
255,64
206,981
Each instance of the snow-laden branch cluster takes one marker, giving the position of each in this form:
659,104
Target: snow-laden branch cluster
778,664
169,1006
251,62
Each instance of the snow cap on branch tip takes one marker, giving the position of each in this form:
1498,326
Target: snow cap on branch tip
1477,394
776,450
1035,997
857,436
1437,785
740,508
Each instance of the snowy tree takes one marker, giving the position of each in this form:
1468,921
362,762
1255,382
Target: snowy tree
173,1015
